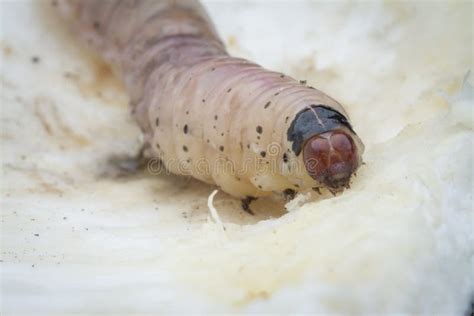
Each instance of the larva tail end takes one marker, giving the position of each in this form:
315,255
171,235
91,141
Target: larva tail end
331,158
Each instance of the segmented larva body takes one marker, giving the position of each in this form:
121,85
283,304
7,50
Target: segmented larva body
221,119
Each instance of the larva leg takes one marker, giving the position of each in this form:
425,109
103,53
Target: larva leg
246,204
124,166
289,194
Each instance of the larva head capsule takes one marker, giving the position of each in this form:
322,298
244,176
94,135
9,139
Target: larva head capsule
331,158
331,150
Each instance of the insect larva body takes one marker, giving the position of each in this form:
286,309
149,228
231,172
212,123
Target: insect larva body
221,119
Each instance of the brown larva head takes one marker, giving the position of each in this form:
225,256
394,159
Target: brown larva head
331,158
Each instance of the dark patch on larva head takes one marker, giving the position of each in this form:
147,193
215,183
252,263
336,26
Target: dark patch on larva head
216,117
185,128
285,158
185,148
263,154
229,90
260,187
282,76
267,105
312,121
221,148
303,81
203,100
297,186
259,129
157,121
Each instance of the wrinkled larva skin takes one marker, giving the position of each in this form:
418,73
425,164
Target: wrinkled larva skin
221,119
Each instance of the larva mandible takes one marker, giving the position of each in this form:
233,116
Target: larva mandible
224,120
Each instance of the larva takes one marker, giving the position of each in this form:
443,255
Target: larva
224,120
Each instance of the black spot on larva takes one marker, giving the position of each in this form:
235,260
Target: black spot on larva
297,186
258,137
276,93
221,148
157,145
303,81
207,141
96,25
286,119
212,69
282,76
241,146
267,105
185,128
187,112
214,127
230,89
157,121
35,59
248,146
263,154
285,158
312,88
260,187
222,134
185,148
259,129
188,160
203,100
215,117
